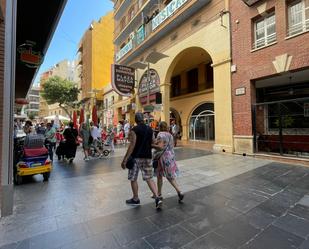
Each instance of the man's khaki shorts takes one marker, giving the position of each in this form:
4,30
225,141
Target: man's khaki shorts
143,164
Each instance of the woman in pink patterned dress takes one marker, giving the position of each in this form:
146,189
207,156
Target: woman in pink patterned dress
167,165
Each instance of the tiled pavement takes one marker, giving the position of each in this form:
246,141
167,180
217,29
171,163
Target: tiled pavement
230,202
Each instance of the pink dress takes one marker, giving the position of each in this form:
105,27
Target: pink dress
167,163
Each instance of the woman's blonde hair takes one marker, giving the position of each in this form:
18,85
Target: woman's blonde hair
163,126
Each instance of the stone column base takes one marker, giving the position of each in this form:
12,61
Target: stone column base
243,144
222,148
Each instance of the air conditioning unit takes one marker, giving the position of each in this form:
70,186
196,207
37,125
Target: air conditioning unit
132,36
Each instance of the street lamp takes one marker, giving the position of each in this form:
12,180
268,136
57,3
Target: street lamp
153,58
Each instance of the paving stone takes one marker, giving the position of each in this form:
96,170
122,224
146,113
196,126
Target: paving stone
237,232
258,218
173,237
304,201
167,218
302,183
210,241
25,244
106,223
201,225
11,246
274,238
293,224
242,205
304,245
300,211
272,207
58,238
134,231
102,241
138,244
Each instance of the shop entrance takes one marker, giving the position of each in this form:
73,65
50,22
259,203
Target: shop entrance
281,115
202,123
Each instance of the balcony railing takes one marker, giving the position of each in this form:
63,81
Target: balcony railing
264,41
122,7
139,36
133,19
298,28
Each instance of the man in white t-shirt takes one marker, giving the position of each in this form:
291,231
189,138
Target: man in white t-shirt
95,133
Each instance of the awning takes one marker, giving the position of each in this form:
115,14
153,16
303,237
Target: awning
36,23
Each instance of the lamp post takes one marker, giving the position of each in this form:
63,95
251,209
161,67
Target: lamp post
153,58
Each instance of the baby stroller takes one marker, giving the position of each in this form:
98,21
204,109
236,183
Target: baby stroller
31,158
100,146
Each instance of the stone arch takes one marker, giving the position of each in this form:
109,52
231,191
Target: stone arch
178,58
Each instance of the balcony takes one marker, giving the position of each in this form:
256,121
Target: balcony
121,32
121,7
167,20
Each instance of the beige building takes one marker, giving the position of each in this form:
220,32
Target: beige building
186,46
65,69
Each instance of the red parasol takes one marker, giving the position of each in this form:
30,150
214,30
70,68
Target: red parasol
81,116
94,115
75,119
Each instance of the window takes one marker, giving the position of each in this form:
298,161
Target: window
176,86
298,17
209,76
265,31
131,12
192,77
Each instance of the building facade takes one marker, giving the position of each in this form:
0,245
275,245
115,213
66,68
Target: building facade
33,97
182,50
270,79
95,56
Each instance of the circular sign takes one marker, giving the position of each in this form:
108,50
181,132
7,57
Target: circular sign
149,82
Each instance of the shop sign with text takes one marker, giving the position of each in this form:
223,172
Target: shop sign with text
124,50
123,79
169,10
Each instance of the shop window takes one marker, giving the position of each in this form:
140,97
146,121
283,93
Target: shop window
192,77
176,86
298,17
265,31
209,76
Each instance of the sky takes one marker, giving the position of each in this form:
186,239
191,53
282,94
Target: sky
75,19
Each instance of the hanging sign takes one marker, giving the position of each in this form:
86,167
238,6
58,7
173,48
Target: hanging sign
149,82
123,79
28,56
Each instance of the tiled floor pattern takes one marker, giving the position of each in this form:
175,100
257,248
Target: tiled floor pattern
230,202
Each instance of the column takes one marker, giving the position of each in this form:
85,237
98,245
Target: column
165,110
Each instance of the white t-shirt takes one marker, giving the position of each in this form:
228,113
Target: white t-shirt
126,127
95,133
